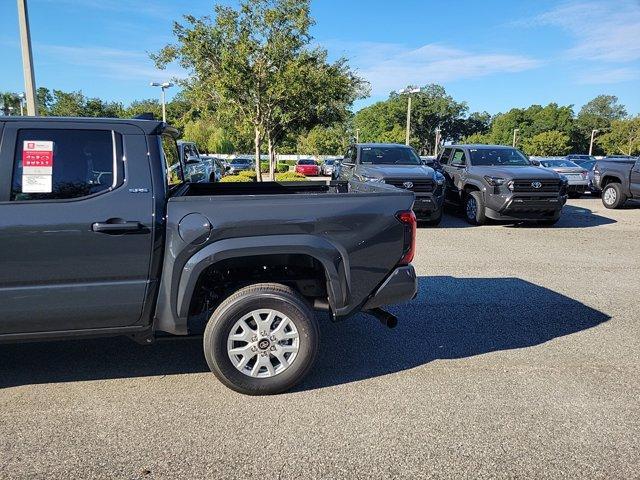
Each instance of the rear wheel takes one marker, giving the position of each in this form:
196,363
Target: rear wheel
474,210
261,340
613,196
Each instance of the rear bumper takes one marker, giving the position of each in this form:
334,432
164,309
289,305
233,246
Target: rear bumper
399,287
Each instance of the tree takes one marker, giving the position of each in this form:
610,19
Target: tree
9,102
322,140
547,144
597,114
208,136
431,108
251,63
624,137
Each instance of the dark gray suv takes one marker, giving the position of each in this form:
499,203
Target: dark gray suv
400,166
501,183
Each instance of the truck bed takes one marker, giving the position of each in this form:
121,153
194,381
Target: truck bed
351,228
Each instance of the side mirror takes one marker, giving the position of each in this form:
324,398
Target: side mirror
535,162
227,168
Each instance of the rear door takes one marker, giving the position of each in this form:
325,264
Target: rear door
635,179
75,226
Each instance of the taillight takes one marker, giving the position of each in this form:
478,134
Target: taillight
408,220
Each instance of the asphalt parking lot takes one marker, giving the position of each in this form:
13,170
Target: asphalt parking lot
519,358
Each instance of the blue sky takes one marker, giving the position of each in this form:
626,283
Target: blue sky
493,54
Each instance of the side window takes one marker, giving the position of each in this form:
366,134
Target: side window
444,156
172,160
458,158
58,164
636,167
354,154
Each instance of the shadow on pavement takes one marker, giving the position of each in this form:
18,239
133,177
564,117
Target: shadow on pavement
450,318
573,216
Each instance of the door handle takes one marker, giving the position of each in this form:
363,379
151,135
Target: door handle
116,226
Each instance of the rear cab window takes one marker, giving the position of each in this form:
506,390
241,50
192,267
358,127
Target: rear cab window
63,164
444,156
172,163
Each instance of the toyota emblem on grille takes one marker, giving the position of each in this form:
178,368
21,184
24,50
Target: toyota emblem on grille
536,185
407,184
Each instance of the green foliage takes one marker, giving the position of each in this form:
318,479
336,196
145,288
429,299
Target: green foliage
264,167
478,138
290,177
549,143
598,114
250,174
257,65
9,103
431,108
208,137
282,168
624,137
321,140
236,178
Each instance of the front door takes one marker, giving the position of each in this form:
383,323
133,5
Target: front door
75,231
453,170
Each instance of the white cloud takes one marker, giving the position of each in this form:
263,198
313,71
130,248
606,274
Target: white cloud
392,66
608,76
605,30
109,62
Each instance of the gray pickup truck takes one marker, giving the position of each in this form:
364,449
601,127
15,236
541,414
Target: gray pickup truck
501,183
100,235
401,167
619,180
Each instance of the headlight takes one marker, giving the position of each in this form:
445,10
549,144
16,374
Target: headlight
439,178
494,181
364,178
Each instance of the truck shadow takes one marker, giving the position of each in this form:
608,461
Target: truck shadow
451,318
573,216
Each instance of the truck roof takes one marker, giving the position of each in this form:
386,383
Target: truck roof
374,145
149,127
476,145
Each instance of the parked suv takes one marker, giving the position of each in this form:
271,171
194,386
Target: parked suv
501,183
400,166
619,180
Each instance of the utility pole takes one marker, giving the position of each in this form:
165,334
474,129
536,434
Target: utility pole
27,58
163,86
21,96
408,91
357,135
437,144
593,137
515,134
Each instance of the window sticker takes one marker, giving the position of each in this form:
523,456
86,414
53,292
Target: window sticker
37,166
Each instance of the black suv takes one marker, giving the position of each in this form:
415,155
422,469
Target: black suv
501,183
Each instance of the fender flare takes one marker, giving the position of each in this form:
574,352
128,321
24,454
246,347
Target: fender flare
333,258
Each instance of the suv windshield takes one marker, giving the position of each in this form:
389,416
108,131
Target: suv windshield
389,156
491,157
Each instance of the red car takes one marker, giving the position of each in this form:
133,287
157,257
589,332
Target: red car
308,168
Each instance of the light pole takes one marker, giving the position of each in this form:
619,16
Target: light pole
593,137
408,91
163,86
357,135
515,135
21,96
27,58
437,144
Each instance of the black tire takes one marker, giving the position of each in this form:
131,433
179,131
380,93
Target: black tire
613,196
479,218
261,296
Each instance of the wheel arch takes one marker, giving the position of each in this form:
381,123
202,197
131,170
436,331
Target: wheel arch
173,312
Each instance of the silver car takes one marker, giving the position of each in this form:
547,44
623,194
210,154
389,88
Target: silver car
577,176
327,167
